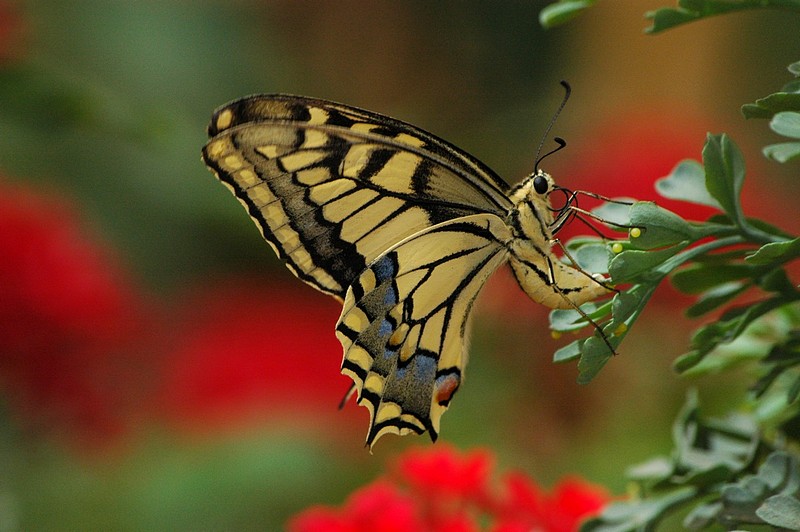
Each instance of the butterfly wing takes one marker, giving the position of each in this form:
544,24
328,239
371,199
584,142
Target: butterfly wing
331,187
405,319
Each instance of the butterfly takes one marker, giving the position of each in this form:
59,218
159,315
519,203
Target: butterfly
402,227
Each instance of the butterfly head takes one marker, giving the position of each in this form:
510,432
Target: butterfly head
535,188
542,184
532,208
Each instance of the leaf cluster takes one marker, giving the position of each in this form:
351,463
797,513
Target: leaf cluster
741,471
714,465
715,261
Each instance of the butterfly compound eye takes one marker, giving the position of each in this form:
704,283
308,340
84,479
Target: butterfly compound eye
540,184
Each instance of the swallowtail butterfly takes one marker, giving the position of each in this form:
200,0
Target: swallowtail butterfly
402,227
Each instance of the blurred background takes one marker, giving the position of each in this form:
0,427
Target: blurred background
160,369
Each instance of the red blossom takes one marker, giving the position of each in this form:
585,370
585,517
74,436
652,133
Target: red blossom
440,489
11,29
250,350
67,310
441,472
379,507
571,501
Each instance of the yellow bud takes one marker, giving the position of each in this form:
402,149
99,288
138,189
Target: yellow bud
555,334
621,329
616,247
636,232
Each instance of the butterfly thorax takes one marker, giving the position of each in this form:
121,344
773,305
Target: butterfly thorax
531,216
545,278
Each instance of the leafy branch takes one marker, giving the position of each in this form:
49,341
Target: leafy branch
716,260
744,469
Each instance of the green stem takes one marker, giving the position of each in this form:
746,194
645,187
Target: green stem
757,235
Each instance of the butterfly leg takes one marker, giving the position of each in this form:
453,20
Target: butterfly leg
602,282
348,394
571,210
577,307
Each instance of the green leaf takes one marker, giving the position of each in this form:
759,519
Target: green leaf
782,511
569,352
592,257
666,18
763,226
776,280
691,10
733,322
768,496
775,253
594,355
652,471
792,87
617,214
725,171
630,303
687,183
698,278
707,453
660,227
782,152
702,516
563,11
794,391
786,123
689,360
638,265
715,298
780,470
566,320
635,514
774,103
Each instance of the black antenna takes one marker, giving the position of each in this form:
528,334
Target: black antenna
561,143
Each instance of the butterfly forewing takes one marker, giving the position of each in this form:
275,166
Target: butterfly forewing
405,318
331,187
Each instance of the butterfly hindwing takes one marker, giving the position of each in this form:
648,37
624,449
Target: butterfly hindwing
404,322
331,187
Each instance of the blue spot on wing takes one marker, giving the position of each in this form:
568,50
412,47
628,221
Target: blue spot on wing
422,367
390,298
385,268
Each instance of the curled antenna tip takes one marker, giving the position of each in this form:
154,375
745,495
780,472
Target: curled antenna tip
561,144
560,141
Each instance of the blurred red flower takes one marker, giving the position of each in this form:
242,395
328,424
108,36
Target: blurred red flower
440,489
11,28
67,311
627,155
247,350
